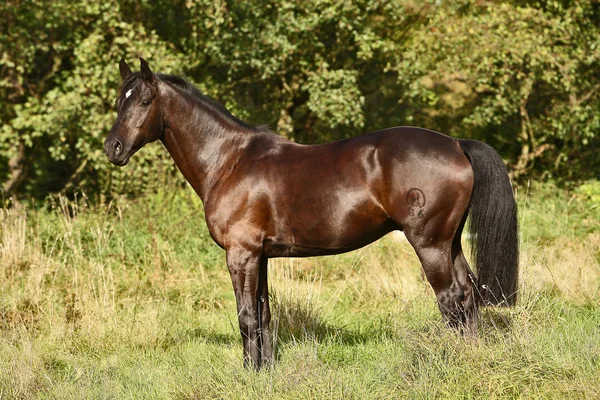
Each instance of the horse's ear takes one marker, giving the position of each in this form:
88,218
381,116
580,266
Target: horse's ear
147,75
124,69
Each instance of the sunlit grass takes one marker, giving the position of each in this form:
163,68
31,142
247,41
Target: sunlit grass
130,299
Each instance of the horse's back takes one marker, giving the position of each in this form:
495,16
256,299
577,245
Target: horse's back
304,200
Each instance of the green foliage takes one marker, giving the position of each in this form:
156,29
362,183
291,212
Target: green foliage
547,212
521,76
64,126
306,69
590,191
334,97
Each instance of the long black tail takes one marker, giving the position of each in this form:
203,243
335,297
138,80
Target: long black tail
493,226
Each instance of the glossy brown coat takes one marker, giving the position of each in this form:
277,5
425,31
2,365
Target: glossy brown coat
265,196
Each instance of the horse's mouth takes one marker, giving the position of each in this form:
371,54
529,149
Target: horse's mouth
122,162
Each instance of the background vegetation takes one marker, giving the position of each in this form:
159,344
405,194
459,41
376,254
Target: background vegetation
110,286
520,75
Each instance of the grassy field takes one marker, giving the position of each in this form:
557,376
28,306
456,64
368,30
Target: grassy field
131,299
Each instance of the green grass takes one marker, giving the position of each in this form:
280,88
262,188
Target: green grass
131,299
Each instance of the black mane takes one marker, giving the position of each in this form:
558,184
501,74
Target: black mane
187,87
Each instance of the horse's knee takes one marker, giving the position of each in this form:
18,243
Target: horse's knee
247,321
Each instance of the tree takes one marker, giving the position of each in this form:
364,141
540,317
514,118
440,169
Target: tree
523,78
60,79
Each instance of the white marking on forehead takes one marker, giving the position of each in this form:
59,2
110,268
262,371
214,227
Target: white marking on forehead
128,93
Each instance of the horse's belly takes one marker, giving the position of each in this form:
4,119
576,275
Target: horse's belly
303,244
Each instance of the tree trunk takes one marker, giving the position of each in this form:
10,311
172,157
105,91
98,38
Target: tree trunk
16,170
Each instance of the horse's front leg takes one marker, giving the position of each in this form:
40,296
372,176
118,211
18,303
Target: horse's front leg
264,317
249,277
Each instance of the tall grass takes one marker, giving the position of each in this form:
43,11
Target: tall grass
131,299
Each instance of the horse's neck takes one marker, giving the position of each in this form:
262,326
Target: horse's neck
201,141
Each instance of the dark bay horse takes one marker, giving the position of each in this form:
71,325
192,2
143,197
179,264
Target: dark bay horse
265,196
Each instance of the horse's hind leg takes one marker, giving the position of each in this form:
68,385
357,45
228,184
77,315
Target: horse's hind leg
467,281
437,264
447,271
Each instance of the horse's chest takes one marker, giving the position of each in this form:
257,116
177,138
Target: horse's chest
216,221
239,223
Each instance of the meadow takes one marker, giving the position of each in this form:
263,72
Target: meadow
130,298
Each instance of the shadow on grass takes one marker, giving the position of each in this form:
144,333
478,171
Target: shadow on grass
320,331
295,322
296,319
200,334
289,330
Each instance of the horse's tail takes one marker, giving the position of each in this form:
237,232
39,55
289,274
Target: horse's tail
493,226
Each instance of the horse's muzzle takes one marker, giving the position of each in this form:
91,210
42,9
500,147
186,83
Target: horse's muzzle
114,150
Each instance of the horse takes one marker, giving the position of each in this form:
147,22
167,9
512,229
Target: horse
265,196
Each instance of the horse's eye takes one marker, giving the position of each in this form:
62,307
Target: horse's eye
146,102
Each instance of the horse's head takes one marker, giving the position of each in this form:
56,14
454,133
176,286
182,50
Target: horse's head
139,115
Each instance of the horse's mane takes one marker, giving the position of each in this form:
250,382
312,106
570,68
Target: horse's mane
187,87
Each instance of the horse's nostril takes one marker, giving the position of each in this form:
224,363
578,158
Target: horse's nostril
118,147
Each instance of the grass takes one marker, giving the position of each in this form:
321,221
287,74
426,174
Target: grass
131,299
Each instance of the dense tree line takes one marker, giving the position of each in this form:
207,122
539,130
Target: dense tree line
522,76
